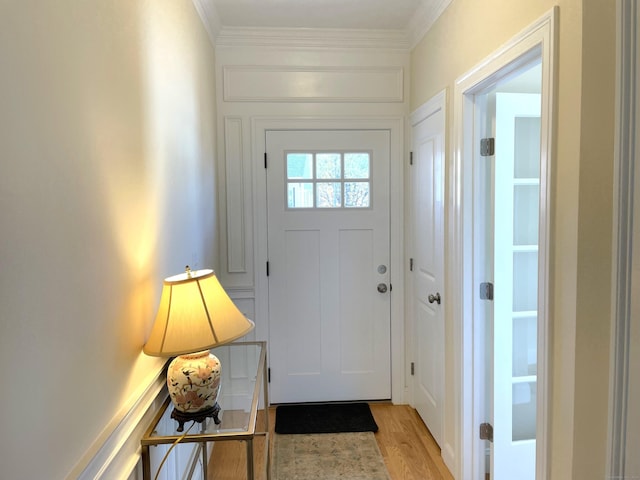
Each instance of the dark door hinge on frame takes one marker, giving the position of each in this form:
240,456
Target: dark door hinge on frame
486,291
410,158
413,368
486,432
487,147
265,159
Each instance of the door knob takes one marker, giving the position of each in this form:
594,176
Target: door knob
434,298
382,287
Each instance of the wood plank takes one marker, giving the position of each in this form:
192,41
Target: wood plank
228,459
408,449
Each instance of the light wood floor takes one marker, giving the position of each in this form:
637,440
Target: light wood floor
409,451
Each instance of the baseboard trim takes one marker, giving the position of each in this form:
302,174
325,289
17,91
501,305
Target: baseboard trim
449,458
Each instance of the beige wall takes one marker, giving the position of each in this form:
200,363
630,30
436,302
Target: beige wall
581,203
594,239
107,121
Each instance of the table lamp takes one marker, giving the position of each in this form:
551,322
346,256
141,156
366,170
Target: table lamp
195,314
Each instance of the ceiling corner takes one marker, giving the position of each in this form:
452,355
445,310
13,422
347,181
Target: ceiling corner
209,15
424,18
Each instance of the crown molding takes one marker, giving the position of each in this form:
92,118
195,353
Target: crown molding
404,40
210,18
313,38
424,18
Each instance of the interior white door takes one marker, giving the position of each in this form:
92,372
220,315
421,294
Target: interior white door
428,268
328,247
516,207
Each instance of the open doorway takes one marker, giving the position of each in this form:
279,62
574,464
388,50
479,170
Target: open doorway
503,125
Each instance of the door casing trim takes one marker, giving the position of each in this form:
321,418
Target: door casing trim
626,161
537,39
395,125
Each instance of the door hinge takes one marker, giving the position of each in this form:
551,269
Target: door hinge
486,291
267,269
413,368
487,147
269,375
486,432
265,159
411,264
410,158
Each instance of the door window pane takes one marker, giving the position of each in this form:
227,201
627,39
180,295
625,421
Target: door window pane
525,214
525,281
328,195
299,166
328,166
527,147
524,411
300,195
356,194
356,165
525,346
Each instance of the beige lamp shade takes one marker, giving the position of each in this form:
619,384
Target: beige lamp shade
195,314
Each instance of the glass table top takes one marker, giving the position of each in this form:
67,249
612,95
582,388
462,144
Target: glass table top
242,380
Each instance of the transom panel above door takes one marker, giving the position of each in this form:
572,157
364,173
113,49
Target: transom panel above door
329,272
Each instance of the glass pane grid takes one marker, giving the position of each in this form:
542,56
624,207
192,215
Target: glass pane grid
307,174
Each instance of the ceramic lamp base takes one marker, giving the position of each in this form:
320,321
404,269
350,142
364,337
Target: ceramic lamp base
201,416
193,381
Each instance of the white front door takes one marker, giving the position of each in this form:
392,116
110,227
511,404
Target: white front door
427,177
328,250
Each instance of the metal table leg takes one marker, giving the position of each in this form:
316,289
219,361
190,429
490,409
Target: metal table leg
250,459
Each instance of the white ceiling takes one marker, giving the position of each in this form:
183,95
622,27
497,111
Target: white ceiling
343,14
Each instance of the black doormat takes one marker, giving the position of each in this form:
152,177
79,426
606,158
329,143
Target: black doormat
325,418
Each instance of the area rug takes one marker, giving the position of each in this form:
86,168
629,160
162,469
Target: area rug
324,418
328,456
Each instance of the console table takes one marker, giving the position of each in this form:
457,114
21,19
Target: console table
244,378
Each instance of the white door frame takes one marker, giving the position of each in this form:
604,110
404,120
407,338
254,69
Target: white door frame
626,164
536,40
395,125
